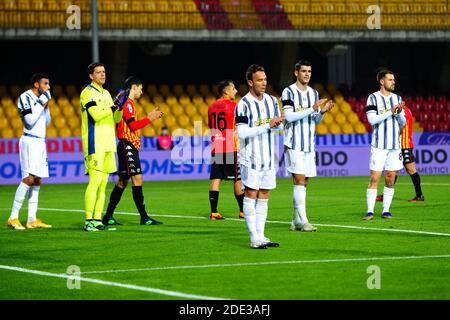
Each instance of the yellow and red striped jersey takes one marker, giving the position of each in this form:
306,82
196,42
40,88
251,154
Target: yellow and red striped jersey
406,140
128,127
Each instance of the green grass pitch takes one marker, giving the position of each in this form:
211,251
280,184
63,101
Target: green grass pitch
191,257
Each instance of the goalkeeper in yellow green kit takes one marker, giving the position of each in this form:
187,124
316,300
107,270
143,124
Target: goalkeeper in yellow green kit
99,115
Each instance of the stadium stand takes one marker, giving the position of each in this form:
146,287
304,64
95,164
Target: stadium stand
229,14
183,106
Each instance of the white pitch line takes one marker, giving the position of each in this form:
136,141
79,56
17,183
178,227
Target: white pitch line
112,284
272,221
269,263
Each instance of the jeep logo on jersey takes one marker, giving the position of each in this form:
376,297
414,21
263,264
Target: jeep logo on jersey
261,121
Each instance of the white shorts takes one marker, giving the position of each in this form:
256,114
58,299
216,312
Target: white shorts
33,157
382,159
300,162
258,179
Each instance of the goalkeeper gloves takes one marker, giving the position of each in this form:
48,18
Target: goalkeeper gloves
120,100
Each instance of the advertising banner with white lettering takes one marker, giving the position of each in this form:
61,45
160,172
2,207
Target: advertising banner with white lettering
336,155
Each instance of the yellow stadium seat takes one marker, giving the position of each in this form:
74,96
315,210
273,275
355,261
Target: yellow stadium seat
359,128
197,100
16,123
183,121
72,92
65,132
321,129
334,128
163,107
171,100
73,122
204,90
68,112
18,132
176,110
345,107
196,118
59,122
158,99
347,128
57,91
178,90
76,132
328,118
3,122
11,112
170,121
190,110
148,131
8,133
340,118
210,99
55,111
51,132
152,90
164,90
62,100
184,100
352,118
191,90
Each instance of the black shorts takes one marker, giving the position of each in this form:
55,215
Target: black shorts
408,156
224,166
128,155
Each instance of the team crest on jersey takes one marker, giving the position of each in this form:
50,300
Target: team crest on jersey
300,109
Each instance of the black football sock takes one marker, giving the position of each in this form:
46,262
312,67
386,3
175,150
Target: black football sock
416,181
213,200
138,198
240,201
114,200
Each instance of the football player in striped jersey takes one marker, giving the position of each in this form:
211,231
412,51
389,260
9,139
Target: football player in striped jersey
303,110
385,113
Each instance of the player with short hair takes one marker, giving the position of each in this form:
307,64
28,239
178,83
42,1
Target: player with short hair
128,153
224,164
99,115
407,145
257,118
35,115
302,110
385,113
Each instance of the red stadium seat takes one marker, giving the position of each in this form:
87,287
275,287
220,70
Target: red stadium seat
443,126
415,107
435,116
427,107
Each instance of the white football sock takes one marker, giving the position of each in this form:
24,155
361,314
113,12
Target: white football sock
33,198
300,205
18,200
388,194
250,218
371,197
261,217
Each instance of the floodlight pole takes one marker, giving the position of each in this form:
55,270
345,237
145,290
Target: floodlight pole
94,28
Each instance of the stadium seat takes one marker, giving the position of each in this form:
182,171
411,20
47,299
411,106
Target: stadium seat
178,90
191,90
359,128
7,133
65,132
321,129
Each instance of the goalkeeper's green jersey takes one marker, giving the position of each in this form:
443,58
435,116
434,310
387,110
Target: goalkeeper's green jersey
98,122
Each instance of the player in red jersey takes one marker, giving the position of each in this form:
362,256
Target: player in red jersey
224,147
128,153
407,146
